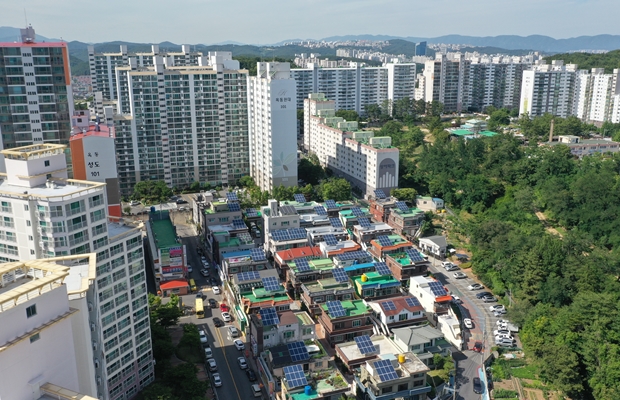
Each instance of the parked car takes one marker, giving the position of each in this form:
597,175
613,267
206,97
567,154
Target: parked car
134,203
224,307
217,322
203,259
475,286
203,336
208,352
239,344
214,281
211,364
251,375
477,385
499,338
501,322
506,343
242,363
181,201
449,266
217,381
489,299
204,272
233,332
501,332
460,275
226,317
482,294
217,290
477,347
468,323
499,313
212,303
497,307
189,268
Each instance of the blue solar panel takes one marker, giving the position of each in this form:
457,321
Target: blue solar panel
302,264
300,198
232,196
388,305
385,370
234,207
251,212
384,241
340,275
357,212
271,283
298,233
269,316
258,254
330,240
402,206
414,255
295,376
279,236
382,268
364,222
336,223
298,351
330,204
248,276
359,255
335,309
380,194
365,344
320,210
412,302
437,289
239,224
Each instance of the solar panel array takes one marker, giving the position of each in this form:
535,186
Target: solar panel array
380,194
289,234
388,305
412,302
330,204
258,254
288,210
354,255
251,212
340,275
437,289
414,255
232,196
234,206
298,351
320,210
300,198
271,283
295,376
302,264
382,268
402,206
244,236
385,370
269,316
364,222
335,309
365,344
335,222
330,240
248,276
384,240
357,212
239,224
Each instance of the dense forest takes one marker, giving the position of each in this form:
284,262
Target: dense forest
609,60
563,283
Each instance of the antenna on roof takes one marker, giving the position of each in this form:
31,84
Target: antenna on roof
25,17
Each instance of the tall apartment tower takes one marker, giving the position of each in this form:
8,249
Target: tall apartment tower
273,126
103,65
447,81
36,100
495,82
187,124
549,89
46,215
594,94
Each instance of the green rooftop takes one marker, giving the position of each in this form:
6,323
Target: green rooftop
349,213
322,264
353,308
374,278
461,132
263,295
164,233
487,133
412,212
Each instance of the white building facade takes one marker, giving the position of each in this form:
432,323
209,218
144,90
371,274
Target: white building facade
273,126
549,89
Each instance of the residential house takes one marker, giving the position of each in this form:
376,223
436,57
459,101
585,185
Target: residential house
343,320
363,234
373,285
427,203
283,257
243,261
352,258
326,383
268,328
380,208
313,294
422,340
393,376
317,234
223,239
304,270
434,245
432,294
406,223
398,311
407,264
388,244
353,354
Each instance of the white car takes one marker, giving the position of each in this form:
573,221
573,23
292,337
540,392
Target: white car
502,337
212,365
242,363
501,332
233,332
468,323
499,313
239,344
203,337
226,317
217,381
217,290
475,286
497,307
460,275
203,259
189,268
501,322
134,203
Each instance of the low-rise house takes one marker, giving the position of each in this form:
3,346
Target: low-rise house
373,285
221,239
349,217
317,234
380,207
398,311
583,147
406,220
341,321
434,245
318,384
268,328
352,258
451,328
388,244
243,261
393,376
220,212
283,239
427,203
364,234
340,248
304,270
283,257
313,294
422,340
365,348
431,293
407,264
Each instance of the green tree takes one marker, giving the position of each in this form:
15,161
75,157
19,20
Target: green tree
151,192
405,194
372,111
309,171
167,314
349,115
157,391
246,181
338,189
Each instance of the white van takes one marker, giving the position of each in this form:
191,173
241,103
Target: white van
256,390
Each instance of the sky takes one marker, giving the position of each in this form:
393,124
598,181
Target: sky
272,21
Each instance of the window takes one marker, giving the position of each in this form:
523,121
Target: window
31,311
402,317
357,322
47,163
34,338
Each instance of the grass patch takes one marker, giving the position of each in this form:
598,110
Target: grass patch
504,394
524,372
433,378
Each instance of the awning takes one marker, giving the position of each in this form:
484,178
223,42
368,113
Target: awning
174,284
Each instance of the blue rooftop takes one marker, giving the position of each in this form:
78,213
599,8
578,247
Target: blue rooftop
355,267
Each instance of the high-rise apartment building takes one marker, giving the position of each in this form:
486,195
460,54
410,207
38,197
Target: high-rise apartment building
103,65
187,124
36,100
447,81
354,87
549,89
44,215
594,94
273,126
495,82
368,162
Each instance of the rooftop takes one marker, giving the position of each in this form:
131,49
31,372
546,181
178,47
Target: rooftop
322,264
165,235
376,281
412,335
351,351
62,189
413,212
330,284
353,308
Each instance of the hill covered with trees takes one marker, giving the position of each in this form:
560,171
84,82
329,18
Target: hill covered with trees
609,60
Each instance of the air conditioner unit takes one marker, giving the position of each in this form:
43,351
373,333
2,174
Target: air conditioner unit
90,306
98,380
92,327
96,363
94,345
